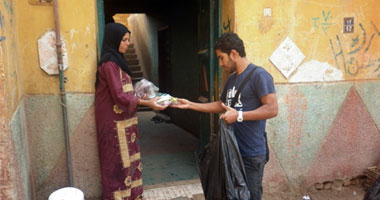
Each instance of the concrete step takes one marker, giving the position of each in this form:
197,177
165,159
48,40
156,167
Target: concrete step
136,79
136,74
130,56
131,51
132,61
174,191
133,68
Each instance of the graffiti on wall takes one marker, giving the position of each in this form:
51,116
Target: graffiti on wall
9,9
227,25
355,58
2,23
323,21
2,27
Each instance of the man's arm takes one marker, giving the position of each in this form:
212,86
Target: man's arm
268,110
212,107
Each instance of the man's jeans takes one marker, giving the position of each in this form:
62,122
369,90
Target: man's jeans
254,168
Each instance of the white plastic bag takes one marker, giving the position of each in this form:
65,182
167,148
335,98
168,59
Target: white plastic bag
145,89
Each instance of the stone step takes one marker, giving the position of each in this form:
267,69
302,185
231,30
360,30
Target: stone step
131,45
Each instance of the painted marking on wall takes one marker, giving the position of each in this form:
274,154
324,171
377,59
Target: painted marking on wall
315,71
287,57
356,60
267,12
348,23
227,26
296,117
2,25
325,24
2,38
9,7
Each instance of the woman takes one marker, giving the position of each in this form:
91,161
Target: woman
116,119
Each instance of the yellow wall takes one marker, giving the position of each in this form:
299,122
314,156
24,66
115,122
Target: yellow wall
228,15
9,70
228,24
78,27
311,24
122,19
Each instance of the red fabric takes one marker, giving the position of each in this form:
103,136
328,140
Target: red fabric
109,93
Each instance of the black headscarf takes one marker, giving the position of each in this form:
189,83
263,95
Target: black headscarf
113,34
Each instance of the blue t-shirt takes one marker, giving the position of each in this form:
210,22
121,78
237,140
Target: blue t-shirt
249,134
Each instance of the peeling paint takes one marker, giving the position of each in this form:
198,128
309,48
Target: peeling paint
73,47
88,30
315,71
72,32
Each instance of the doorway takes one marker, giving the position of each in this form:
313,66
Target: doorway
170,41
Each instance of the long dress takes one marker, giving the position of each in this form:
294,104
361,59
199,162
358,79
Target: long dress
117,134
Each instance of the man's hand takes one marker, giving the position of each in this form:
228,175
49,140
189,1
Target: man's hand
182,104
230,115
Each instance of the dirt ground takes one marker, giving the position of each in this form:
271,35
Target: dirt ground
352,192
341,193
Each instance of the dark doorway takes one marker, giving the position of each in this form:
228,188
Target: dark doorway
164,67
182,63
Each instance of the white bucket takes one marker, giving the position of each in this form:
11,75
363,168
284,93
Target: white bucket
67,193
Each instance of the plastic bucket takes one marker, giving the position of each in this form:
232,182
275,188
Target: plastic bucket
67,193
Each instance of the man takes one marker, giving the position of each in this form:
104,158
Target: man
256,103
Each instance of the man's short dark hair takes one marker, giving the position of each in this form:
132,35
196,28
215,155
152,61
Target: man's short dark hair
229,41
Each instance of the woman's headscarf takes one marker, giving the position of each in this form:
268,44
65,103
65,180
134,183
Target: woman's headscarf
113,34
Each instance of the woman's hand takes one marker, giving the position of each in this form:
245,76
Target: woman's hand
154,105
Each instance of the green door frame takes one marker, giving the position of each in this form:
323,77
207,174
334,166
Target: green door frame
101,24
209,122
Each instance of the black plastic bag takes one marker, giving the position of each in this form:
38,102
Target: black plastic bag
221,167
373,193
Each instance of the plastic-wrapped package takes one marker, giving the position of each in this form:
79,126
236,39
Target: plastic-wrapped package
145,89
166,99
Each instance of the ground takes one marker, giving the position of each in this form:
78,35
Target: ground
344,193
170,173
187,190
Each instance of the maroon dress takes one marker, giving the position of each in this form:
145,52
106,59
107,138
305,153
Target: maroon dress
117,134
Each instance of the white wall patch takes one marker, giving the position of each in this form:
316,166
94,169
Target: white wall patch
287,57
47,52
315,71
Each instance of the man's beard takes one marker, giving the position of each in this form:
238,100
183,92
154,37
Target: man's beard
233,66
